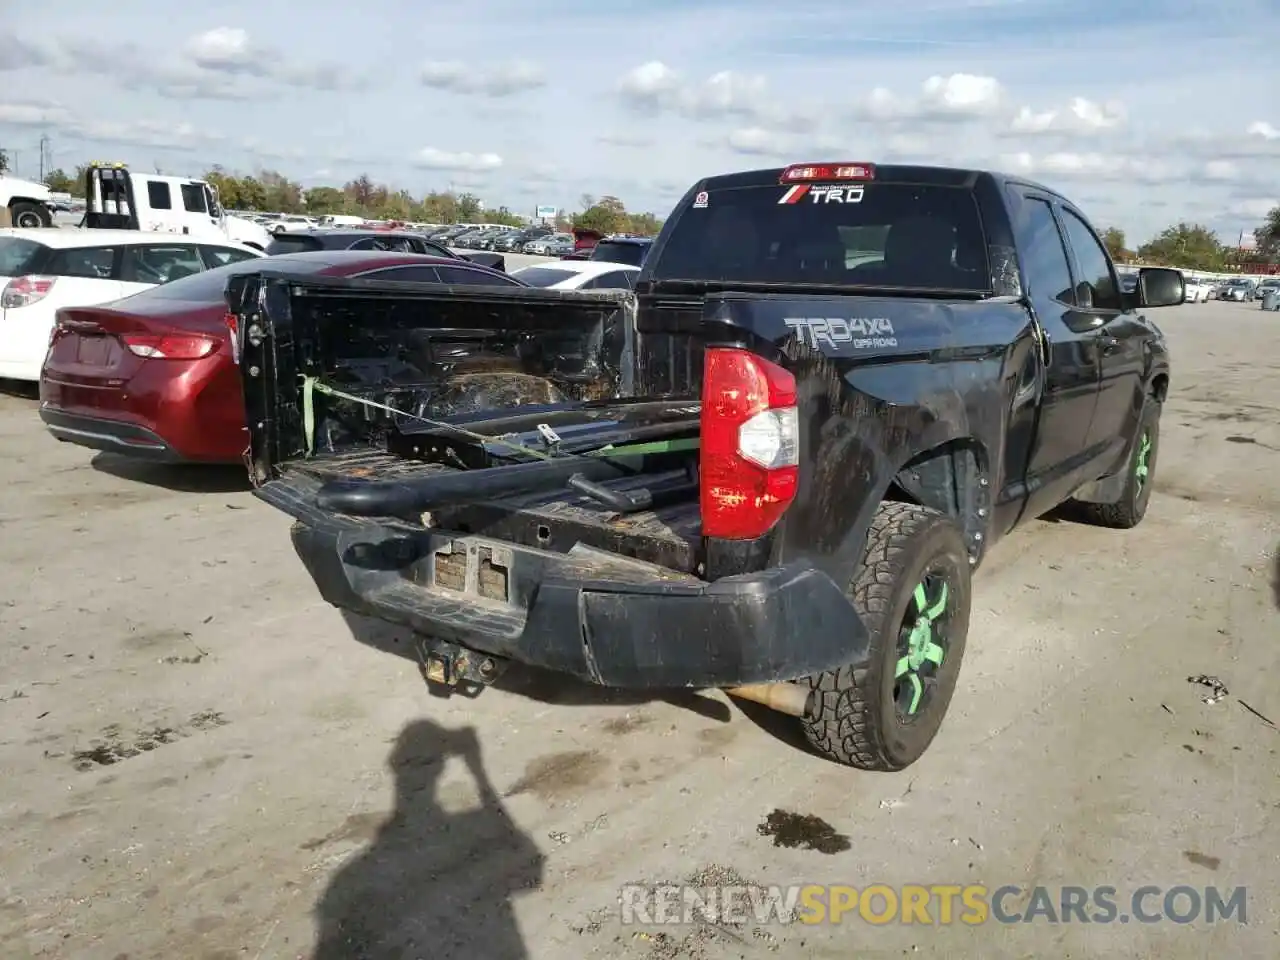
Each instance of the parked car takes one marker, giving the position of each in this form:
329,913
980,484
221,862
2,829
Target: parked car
1197,290
786,470
390,241
152,375
542,246
1239,289
47,268
1269,293
579,275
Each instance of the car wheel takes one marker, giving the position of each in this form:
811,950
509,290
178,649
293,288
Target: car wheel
1128,511
30,215
912,592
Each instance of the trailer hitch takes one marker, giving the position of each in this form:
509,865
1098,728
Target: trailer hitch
448,668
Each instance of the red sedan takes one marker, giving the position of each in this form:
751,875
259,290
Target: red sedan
153,376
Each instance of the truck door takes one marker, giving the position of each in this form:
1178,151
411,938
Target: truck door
1120,344
1057,455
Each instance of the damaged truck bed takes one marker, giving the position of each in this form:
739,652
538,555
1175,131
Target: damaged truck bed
772,469
466,463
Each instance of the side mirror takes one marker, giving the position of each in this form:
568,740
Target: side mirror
1160,287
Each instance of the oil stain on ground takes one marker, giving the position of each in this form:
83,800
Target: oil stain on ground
558,774
801,831
112,745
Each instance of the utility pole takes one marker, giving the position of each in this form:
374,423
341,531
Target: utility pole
44,148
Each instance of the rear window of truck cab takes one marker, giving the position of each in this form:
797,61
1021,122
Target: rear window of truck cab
873,234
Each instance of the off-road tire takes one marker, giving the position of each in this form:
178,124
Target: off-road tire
1127,512
853,719
24,213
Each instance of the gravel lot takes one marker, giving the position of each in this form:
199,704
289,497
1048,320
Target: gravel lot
200,761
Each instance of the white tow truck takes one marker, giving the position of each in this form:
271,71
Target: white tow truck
30,204
116,198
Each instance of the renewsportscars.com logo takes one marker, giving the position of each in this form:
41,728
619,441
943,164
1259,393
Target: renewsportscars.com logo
932,905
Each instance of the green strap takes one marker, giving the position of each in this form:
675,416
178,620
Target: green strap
312,385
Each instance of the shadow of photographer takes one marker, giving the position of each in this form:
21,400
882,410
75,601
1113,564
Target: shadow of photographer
433,882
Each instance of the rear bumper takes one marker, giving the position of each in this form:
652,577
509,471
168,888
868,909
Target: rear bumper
116,436
600,617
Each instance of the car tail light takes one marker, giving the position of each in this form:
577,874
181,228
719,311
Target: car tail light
169,346
823,172
750,444
24,291
233,330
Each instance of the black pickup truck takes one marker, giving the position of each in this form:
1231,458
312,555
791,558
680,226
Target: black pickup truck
771,469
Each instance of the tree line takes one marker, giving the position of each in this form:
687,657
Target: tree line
1191,246
272,192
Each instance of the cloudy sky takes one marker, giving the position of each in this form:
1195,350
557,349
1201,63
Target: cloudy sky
1143,112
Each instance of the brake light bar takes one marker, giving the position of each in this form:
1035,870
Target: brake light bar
816,172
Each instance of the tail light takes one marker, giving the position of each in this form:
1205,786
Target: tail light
24,291
170,346
749,460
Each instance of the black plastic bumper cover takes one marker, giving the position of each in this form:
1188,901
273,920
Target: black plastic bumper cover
113,436
617,623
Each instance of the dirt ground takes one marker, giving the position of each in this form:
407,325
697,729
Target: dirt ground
199,761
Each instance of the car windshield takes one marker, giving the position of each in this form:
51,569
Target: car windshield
17,254
543,276
908,235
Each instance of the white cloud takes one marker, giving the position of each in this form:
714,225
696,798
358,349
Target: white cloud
1082,116
1260,128
655,87
498,80
432,159
958,96
222,48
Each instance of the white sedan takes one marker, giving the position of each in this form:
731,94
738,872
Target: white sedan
45,269
579,275
1198,289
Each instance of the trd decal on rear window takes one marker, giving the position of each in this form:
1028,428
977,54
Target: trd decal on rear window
828,194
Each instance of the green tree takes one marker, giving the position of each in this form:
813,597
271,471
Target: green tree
59,181
1268,236
1113,239
1188,245
325,200
4,161
608,215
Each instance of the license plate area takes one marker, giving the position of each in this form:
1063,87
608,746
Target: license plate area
97,351
477,568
